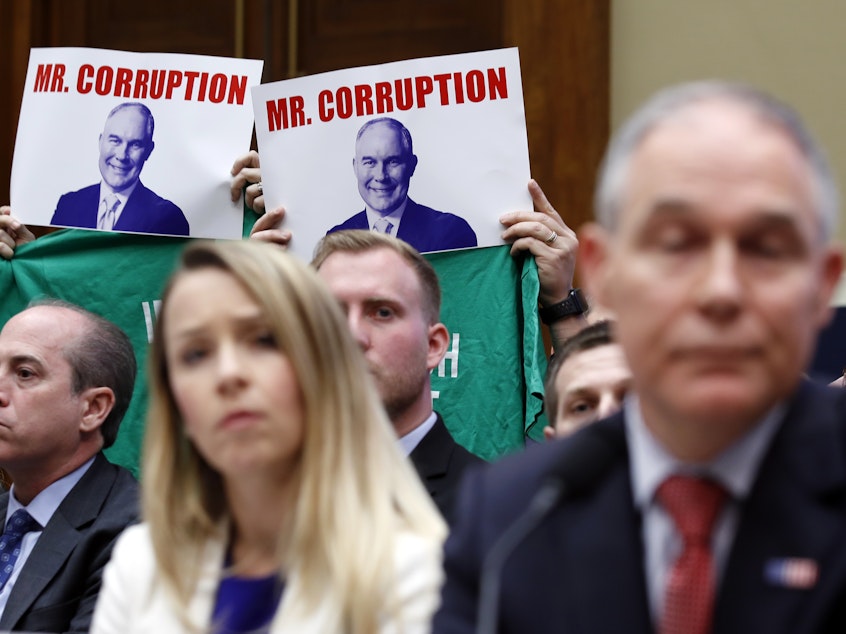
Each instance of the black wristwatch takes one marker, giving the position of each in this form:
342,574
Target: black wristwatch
574,304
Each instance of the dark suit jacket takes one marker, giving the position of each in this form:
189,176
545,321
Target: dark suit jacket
58,585
440,462
423,228
581,570
145,212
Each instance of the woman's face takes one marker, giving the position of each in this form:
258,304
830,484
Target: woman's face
236,390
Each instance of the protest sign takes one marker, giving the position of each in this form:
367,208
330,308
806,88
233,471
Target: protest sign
447,157
155,131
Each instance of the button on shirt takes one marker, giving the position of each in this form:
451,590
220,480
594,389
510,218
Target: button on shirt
41,508
650,463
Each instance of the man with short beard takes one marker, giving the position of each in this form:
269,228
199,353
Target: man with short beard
392,298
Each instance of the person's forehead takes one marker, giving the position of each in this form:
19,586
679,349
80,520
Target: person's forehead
717,143
378,271
41,331
203,282
597,365
379,133
126,118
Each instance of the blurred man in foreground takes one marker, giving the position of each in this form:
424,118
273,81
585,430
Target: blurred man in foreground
716,501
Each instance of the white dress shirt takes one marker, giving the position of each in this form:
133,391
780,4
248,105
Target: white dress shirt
413,438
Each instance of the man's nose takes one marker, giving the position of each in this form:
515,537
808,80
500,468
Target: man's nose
358,328
720,292
121,152
608,404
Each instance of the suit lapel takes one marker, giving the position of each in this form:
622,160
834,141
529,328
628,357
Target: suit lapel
585,564
92,204
133,210
59,539
411,229
793,514
431,456
604,559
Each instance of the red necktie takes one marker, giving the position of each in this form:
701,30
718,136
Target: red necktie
694,505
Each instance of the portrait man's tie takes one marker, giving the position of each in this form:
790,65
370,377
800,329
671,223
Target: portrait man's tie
107,212
383,225
694,504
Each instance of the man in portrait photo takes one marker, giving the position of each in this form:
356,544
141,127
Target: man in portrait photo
121,202
384,163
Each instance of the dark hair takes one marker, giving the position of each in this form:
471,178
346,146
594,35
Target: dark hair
363,241
599,334
102,356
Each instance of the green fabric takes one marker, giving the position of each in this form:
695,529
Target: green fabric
489,299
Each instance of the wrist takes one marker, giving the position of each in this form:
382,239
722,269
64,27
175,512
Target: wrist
574,305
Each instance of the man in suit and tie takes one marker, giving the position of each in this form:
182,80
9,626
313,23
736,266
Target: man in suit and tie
384,164
66,379
716,500
120,201
392,298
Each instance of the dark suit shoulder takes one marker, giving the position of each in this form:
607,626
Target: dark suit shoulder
428,229
146,211
440,462
77,208
358,221
57,588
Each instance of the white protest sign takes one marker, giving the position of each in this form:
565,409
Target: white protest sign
465,118
73,147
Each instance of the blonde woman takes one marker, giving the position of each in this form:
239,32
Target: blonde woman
274,497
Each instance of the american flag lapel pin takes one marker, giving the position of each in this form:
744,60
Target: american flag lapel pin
791,572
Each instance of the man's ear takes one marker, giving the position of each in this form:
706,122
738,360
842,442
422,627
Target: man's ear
150,149
412,165
594,245
438,343
97,403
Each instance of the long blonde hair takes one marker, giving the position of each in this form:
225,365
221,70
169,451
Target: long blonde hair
356,490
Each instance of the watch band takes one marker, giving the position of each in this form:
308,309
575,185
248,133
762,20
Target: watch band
574,304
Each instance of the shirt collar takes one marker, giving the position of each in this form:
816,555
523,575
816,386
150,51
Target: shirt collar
43,505
394,217
410,441
735,468
122,196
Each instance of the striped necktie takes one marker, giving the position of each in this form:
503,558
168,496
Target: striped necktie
107,212
383,225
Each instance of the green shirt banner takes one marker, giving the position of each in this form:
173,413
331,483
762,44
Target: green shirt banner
488,387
